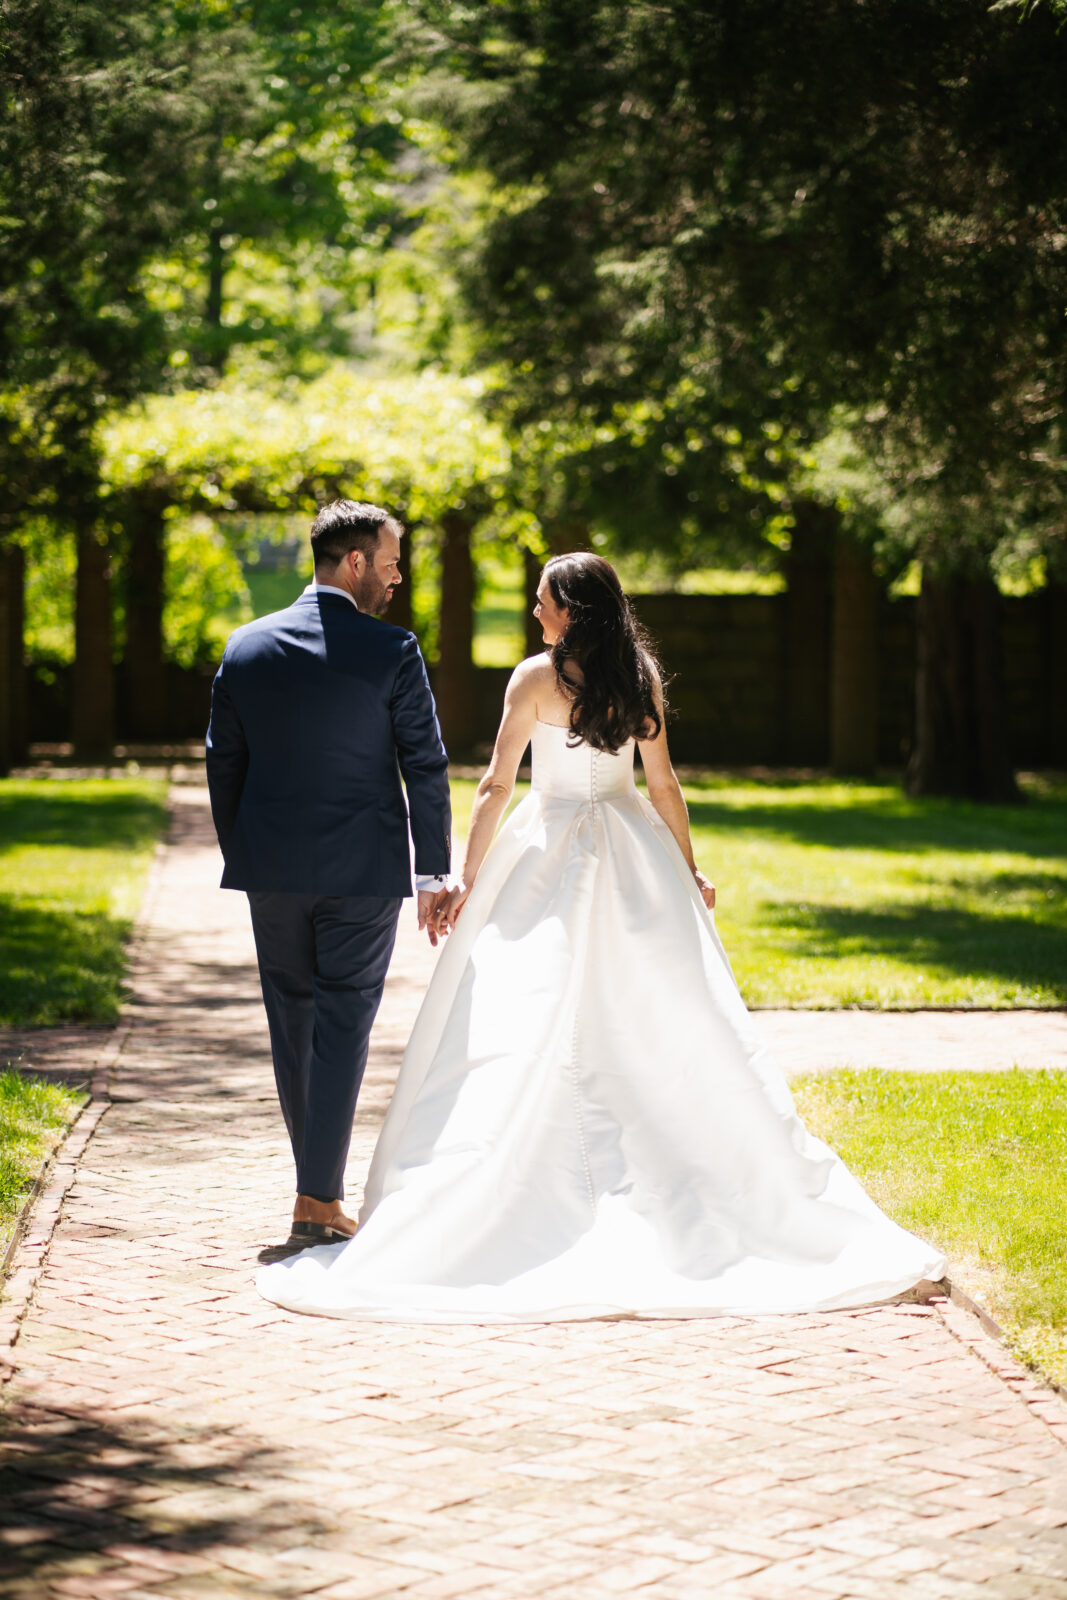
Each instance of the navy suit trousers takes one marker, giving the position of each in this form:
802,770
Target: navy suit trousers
322,965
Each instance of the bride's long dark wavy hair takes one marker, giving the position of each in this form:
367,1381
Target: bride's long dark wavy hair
613,693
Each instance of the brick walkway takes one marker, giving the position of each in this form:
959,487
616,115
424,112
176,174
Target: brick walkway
167,1433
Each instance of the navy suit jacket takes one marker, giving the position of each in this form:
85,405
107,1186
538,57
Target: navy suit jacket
315,713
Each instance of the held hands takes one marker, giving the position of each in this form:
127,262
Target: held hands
429,903
439,909
452,904
707,890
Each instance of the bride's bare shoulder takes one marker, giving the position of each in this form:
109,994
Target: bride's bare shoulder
535,670
535,682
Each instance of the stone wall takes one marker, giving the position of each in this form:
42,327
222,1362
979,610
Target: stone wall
727,658
728,663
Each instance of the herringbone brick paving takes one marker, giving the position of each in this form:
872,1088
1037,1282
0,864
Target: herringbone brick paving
170,1434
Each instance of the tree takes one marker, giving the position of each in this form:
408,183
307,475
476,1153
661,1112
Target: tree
179,181
98,104
417,443
772,210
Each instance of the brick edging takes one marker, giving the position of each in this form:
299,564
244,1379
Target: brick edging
39,1217
972,1326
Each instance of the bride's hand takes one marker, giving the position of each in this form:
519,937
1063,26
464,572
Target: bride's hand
707,890
453,904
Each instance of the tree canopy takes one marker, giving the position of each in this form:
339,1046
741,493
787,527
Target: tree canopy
758,214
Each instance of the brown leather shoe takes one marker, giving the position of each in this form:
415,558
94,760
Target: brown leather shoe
320,1221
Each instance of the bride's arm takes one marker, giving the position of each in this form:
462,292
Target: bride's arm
665,793
497,786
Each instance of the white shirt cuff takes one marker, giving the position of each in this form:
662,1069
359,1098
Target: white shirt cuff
430,883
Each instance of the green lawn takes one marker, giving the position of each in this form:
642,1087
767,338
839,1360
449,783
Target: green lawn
33,1118
977,1163
499,631
274,588
849,894
73,860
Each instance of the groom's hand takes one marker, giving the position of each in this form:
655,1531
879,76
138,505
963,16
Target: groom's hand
430,901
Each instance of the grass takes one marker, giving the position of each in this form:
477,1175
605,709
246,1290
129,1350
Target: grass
977,1163
851,894
274,588
33,1118
848,894
73,860
499,634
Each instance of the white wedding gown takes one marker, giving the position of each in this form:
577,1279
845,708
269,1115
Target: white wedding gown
586,1122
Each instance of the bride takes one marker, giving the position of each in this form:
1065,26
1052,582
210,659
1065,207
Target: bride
586,1123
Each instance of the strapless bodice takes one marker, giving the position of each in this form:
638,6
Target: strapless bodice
570,771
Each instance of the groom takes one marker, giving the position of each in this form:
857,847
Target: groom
316,712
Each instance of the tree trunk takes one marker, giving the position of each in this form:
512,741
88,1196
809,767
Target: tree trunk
1056,634
854,660
400,609
531,571
216,272
564,535
13,708
93,699
146,672
809,574
455,663
961,735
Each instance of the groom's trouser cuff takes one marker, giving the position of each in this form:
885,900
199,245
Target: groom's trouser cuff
322,963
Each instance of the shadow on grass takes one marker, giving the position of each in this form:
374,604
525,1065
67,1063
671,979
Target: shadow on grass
1016,949
58,966
82,1495
107,817
894,823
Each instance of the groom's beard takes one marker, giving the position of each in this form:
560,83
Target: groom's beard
373,595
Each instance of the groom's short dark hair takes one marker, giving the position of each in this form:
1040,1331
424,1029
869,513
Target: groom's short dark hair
346,525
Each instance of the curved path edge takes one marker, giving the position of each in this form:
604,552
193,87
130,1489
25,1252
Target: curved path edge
36,1223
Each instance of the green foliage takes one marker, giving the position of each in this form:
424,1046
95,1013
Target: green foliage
419,443
977,1162
73,861
293,186
739,221
99,107
206,594
34,1115
50,571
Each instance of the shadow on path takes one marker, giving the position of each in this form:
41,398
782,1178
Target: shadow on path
83,1496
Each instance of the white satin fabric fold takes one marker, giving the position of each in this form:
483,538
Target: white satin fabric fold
586,1122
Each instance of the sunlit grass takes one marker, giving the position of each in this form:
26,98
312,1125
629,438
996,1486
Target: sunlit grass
274,588
73,860
499,634
846,894
977,1163
33,1117
836,893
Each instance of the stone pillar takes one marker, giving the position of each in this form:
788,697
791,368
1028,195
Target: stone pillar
1056,656
961,735
146,673
455,681
854,660
93,697
531,570
399,610
809,579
